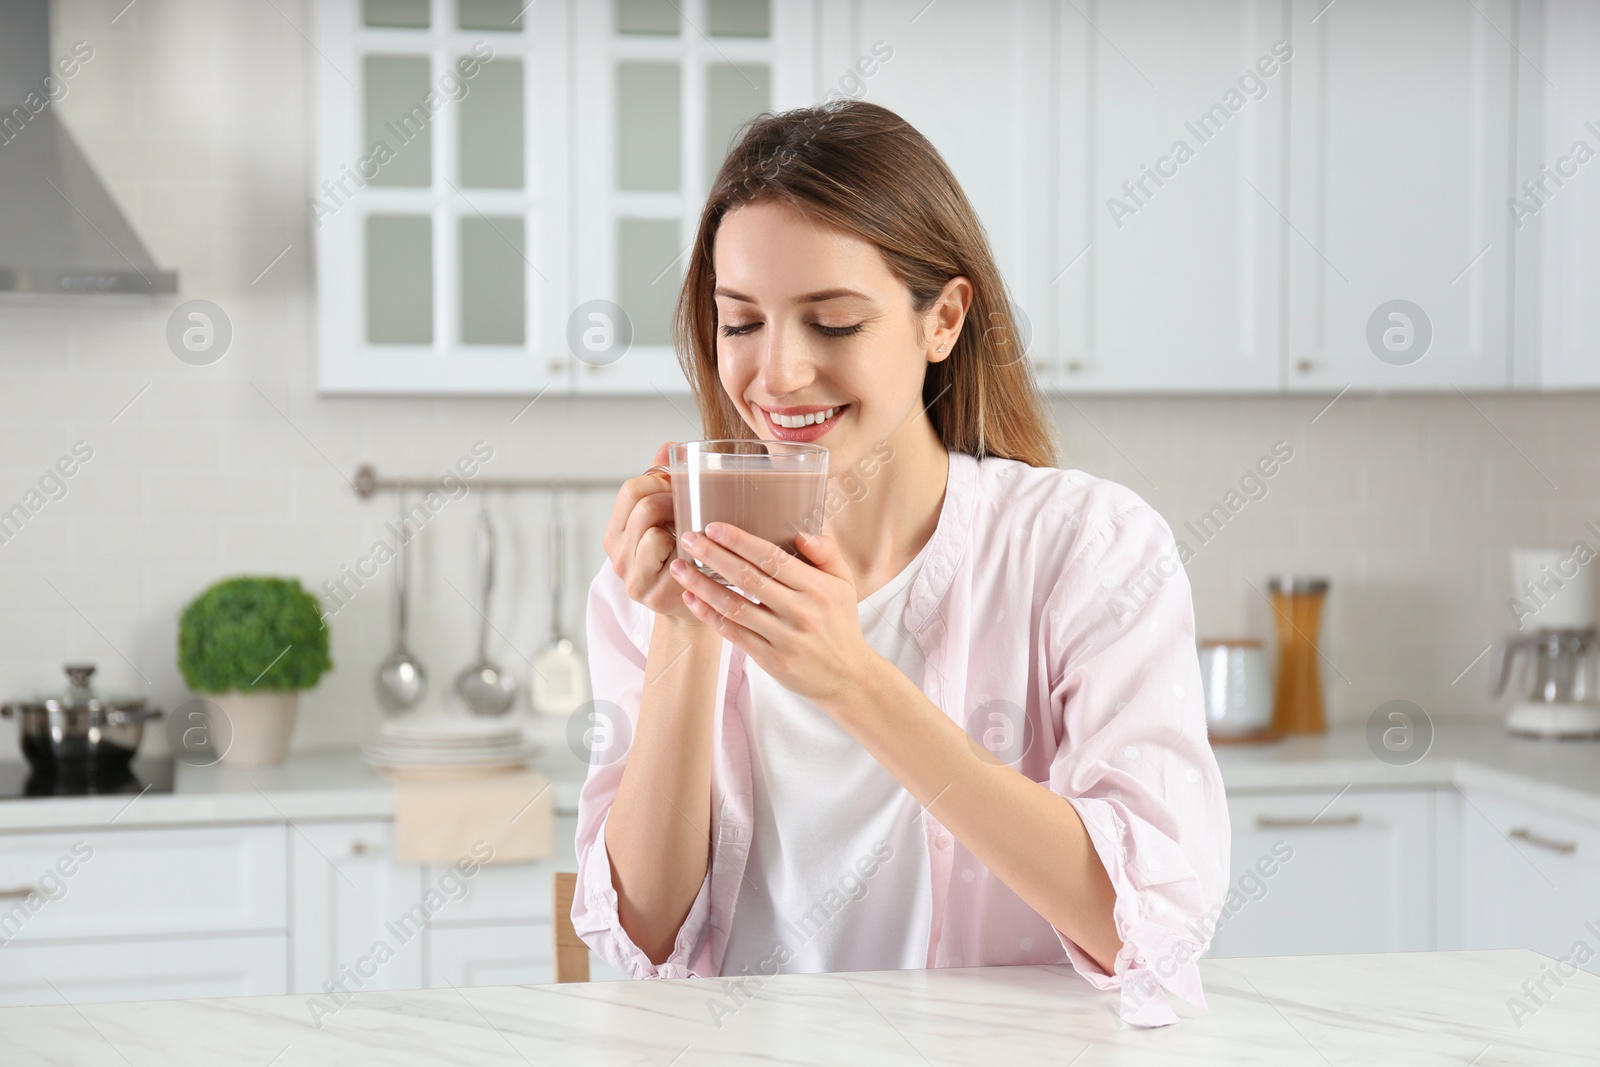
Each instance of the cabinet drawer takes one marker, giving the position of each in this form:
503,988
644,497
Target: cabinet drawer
516,892
163,969
1530,878
1544,836
1313,875
121,883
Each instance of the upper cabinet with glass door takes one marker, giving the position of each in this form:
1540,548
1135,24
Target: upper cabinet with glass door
663,87
1247,196
440,201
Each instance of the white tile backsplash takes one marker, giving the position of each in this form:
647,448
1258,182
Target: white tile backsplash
199,116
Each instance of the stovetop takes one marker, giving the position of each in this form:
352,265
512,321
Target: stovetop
18,781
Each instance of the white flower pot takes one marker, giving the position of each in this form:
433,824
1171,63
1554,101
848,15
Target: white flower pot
252,729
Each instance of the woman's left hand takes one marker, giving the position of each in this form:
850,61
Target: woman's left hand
806,632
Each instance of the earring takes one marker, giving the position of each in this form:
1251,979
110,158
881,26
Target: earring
943,347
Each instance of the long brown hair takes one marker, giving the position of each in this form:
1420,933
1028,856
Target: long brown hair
863,169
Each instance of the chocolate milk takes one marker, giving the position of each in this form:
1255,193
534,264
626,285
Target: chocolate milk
772,505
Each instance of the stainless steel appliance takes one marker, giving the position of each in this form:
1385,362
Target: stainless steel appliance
80,733
61,231
1556,669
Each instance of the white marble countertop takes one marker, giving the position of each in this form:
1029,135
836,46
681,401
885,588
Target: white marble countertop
1415,1009
1560,775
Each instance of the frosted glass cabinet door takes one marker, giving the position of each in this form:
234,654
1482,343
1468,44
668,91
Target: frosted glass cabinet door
663,88
1399,163
1170,185
442,206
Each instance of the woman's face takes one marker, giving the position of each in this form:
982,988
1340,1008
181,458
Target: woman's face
810,321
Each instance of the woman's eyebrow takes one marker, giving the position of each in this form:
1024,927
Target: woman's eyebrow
809,298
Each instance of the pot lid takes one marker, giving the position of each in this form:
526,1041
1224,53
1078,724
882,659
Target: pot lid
80,696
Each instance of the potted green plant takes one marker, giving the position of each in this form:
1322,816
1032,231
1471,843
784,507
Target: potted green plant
250,645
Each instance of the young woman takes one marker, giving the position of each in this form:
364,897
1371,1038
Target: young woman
965,727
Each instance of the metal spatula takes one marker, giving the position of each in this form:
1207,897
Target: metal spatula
560,672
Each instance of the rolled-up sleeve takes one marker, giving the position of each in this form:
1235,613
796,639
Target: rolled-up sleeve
1134,760
619,641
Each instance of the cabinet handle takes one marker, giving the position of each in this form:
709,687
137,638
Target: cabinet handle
360,848
1265,821
1073,366
20,893
557,366
1522,833
1304,366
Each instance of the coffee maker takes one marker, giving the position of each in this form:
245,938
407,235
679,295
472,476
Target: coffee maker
1556,656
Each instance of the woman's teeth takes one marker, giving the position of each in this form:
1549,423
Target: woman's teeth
794,422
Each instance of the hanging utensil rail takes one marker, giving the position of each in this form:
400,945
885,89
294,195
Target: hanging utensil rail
368,483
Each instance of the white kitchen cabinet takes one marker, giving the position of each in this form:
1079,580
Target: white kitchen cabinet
659,92
503,954
109,882
977,83
1530,878
1399,154
1556,207
500,924
164,969
1352,874
440,202
1168,265
1336,159
510,892
491,955
350,897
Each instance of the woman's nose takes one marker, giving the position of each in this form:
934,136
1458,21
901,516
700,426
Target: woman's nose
785,365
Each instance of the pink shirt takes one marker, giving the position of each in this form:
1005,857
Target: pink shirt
1058,630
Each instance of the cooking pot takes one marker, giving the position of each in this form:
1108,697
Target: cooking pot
81,729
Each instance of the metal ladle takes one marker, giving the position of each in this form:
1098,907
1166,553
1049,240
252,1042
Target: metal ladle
401,681
481,687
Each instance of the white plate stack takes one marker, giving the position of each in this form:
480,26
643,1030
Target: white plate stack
448,748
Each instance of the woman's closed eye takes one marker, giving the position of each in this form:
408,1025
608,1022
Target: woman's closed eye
730,329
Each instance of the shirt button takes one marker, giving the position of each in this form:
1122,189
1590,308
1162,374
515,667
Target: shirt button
942,841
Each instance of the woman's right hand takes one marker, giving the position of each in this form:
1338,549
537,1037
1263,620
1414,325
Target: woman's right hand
640,543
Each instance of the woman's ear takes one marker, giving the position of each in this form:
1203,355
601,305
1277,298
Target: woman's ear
946,316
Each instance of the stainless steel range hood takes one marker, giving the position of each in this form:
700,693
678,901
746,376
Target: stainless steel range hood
60,230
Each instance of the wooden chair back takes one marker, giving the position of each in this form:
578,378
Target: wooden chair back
571,954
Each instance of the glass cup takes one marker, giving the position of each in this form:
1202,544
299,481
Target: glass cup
772,489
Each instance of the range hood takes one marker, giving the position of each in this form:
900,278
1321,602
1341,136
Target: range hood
60,230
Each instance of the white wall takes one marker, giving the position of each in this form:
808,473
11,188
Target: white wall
199,117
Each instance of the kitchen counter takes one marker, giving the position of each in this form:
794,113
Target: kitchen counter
1560,775
1564,775
1404,1008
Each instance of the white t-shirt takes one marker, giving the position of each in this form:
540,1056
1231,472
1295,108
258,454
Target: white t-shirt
838,874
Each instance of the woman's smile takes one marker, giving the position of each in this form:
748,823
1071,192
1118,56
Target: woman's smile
801,423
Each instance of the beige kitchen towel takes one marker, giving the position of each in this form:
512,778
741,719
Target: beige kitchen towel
503,818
